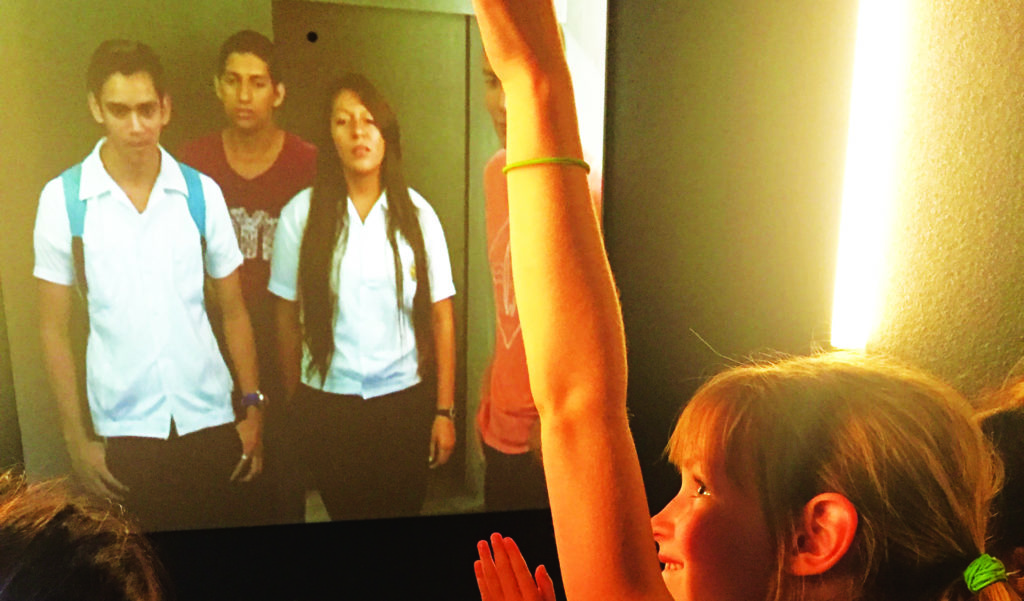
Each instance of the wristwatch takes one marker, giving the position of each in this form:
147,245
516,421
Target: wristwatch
448,412
254,399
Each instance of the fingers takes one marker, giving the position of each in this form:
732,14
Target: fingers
432,458
96,486
490,589
502,565
545,584
502,573
442,441
242,463
520,571
112,484
255,468
440,455
481,581
251,463
91,470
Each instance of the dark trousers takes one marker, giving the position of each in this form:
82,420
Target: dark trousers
278,494
367,457
180,483
513,481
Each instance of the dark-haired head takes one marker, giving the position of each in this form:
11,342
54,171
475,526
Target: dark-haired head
126,57
384,118
248,41
328,219
54,546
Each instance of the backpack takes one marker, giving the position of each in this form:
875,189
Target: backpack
72,180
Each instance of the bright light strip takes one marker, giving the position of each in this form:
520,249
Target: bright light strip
876,120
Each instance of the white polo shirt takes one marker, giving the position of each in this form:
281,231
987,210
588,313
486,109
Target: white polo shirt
374,344
151,355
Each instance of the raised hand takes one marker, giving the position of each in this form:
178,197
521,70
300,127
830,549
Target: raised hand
576,354
519,36
505,575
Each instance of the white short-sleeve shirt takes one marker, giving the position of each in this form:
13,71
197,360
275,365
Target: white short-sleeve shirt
374,344
151,355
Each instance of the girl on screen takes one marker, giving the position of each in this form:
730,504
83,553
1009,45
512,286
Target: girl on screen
365,318
835,477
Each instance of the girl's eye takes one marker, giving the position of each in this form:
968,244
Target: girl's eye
702,489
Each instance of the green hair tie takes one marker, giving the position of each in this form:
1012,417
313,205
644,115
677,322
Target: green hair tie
982,572
547,160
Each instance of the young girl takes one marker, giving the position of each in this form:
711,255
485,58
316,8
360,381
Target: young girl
365,319
833,477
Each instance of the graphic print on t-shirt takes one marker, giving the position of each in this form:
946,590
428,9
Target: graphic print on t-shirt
255,232
504,288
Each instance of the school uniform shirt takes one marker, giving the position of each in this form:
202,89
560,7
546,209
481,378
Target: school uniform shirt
374,344
151,355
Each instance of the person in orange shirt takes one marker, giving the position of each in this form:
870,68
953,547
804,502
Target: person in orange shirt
507,420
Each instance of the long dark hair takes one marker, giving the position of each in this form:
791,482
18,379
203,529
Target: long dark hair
328,216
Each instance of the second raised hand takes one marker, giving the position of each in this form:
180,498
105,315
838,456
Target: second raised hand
504,576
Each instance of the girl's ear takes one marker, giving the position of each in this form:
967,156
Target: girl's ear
823,536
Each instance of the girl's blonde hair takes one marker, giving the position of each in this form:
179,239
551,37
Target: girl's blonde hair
898,444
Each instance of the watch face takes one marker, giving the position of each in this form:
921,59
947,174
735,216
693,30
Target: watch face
253,399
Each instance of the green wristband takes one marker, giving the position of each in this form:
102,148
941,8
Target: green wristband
547,161
982,572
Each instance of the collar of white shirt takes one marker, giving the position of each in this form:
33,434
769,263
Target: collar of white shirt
96,181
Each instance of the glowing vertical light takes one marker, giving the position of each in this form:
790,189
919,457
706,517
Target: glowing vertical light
876,121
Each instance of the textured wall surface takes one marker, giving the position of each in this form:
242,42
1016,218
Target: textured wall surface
955,300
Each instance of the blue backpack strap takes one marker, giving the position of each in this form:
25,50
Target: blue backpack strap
196,203
72,181
196,200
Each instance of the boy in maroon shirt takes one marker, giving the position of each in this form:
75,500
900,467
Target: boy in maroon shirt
260,167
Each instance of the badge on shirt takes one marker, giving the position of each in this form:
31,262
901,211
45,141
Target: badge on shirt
412,272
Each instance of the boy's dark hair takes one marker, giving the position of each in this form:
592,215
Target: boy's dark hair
126,57
249,42
56,546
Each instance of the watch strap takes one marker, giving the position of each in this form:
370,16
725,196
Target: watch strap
254,399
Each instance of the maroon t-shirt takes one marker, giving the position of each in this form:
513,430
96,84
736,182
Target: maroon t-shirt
255,205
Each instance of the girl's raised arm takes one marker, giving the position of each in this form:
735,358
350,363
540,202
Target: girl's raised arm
570,315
